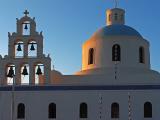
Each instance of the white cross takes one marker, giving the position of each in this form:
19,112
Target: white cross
26,12
116,3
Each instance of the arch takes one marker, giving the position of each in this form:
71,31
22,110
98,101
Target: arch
116,53
39,73
25,74
52,110
19,49
26,27
32,48
10,73
141,55
83,112
91,56
122,16
21,111
147,110
115,110
109,17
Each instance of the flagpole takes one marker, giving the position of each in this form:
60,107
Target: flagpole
13,88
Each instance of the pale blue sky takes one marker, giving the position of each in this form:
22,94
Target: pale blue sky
66,24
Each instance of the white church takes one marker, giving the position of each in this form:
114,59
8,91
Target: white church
115,83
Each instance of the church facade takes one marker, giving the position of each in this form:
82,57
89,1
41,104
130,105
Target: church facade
115,83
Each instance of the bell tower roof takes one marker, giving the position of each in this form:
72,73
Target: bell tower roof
28,23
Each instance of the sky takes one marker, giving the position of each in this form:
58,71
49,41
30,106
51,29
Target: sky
67,24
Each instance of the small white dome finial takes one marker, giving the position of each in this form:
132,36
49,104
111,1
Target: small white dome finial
115,16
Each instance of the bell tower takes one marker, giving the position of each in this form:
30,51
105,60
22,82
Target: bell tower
25,55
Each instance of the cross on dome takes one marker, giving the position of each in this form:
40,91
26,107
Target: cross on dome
26,12
116,3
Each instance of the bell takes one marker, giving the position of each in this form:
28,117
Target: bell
26,27
32,47
19,47
25,72
39,72
10,72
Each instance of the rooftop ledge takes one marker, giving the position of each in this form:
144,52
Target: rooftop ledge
87,87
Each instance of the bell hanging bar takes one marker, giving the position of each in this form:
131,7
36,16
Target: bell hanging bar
25,72
10,72
32,47
39,72
26,26
19,47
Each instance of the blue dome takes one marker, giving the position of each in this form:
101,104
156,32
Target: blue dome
113,30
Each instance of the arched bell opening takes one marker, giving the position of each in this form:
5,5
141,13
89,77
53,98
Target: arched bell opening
10,74
26,28
39,74
25,74
19,49
32,49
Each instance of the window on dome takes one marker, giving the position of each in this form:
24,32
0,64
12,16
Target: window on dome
122,17
52,110
115,110
116,16
116,53
91,56
83,110
141,55
109,18
21,111
147,110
